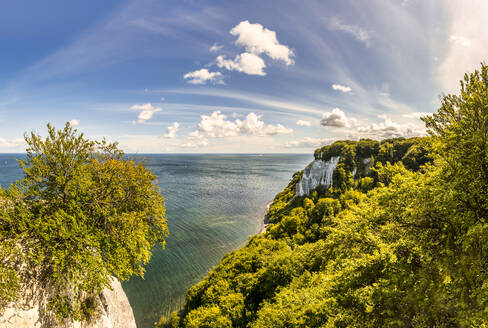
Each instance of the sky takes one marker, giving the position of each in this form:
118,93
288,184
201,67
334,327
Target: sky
219,76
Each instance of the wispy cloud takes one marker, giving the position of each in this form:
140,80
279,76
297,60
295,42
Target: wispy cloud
356,31
216,47
254,98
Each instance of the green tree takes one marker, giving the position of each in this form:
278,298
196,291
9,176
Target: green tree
81,214
460,140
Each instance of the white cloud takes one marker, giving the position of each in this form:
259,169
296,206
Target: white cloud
147,111
390,129
203,76
341,88
337,119
304,123
217,126
254,126
195,139
215,47
74,122
246,63
460,40
251,124
309,143
356,31
258,39
171,134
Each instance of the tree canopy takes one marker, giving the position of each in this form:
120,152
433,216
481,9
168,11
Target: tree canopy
82,213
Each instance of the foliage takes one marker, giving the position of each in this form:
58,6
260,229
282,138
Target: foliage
81,214
402,246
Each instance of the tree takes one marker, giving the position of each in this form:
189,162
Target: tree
82,213
460,140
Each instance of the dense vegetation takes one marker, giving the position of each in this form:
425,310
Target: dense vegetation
81,214
405,244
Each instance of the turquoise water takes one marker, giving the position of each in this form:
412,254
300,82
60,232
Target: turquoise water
214,203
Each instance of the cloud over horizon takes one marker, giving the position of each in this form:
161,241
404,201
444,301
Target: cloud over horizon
389,129
216,125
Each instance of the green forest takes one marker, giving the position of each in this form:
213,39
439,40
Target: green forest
402,243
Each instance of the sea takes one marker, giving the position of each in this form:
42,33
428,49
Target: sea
214,203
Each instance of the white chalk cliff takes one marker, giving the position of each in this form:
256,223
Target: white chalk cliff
318,173
112,306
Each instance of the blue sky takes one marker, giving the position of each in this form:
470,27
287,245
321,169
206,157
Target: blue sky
232,76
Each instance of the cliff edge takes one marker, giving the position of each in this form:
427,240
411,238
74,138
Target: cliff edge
113,311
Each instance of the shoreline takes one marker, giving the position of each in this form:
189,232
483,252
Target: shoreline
264,221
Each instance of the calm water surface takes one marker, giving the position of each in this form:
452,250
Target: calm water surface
213,202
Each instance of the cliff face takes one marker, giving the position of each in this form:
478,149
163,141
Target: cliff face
318,173
321,173
113,310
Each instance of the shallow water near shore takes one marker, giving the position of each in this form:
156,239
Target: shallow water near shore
214,203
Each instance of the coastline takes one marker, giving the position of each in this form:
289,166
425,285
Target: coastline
264,221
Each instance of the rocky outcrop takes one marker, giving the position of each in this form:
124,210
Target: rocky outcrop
112,306
318,173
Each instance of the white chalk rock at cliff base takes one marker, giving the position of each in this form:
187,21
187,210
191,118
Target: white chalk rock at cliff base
113,306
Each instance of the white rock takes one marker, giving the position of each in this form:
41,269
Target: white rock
317,173
113,306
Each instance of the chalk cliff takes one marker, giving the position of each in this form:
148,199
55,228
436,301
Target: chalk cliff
112,306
